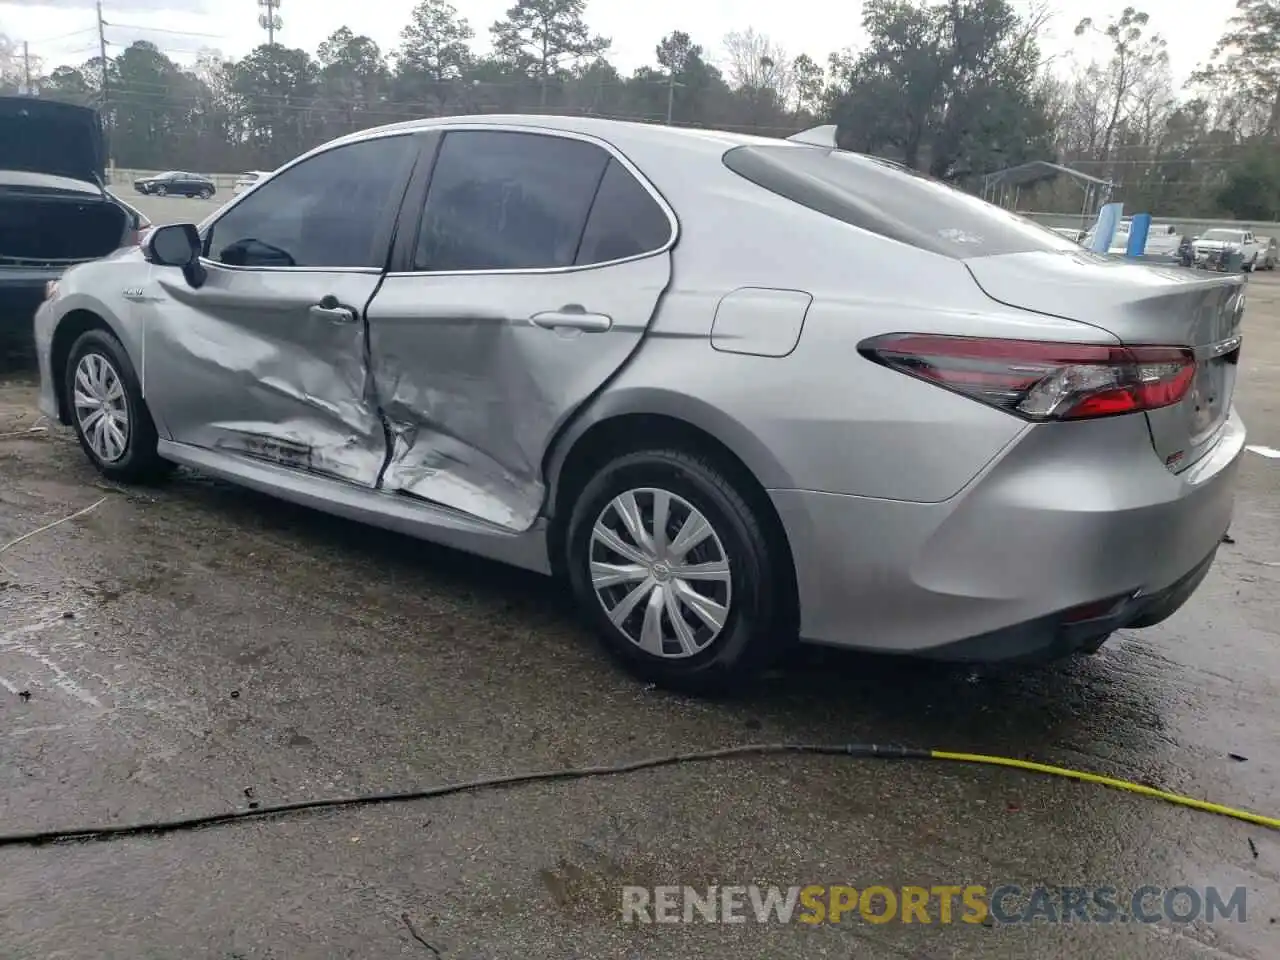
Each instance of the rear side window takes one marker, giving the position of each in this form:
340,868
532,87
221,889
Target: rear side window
892,201
507,201
626,221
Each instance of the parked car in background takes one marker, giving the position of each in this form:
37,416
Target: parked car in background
54,209
1162,240
178,184
573,345
248,179
1223,244
1268,253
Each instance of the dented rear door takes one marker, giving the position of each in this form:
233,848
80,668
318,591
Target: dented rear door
532,276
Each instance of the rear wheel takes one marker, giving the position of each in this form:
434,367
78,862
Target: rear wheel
674,571
110,417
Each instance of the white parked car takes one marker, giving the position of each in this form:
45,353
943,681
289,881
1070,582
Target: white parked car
248,179
1162,240
1268,253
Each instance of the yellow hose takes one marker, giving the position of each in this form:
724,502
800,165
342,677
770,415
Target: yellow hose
1256,818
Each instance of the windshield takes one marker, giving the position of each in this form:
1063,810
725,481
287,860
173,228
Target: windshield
1234,236
892,201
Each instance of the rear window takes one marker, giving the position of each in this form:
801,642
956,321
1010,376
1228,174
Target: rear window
892,201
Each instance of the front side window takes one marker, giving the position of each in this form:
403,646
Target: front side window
325,212
507,201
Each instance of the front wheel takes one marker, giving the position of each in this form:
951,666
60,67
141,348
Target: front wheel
162,191
674,570
205,193
110,417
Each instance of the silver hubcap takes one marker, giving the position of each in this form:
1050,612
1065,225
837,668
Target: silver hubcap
101,409
660,572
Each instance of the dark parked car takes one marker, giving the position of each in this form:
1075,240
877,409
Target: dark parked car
177,184
54,210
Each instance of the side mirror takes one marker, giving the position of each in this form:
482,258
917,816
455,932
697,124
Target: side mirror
177,245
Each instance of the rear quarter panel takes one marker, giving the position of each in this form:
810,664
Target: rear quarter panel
821,418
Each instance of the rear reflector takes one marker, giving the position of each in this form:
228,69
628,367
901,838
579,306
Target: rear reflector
1039,380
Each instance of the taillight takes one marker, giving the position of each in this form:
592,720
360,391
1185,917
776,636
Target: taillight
1038,380
134,237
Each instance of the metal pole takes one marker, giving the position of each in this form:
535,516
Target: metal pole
26,67
671,94
102,51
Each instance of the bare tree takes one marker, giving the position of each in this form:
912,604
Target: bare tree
1134,55
759,65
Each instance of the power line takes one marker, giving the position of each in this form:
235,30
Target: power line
176,33
64,36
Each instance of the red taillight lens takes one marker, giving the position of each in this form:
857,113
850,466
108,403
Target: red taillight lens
138,232
1036,380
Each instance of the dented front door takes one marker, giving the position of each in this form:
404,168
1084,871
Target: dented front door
267,364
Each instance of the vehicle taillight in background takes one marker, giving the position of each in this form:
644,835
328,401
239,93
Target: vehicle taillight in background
139,231
1038,380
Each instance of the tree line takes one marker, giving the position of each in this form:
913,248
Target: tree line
954,88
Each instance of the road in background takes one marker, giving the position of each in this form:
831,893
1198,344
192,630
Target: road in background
162,210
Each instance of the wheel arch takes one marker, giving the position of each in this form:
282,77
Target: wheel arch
648,418
73,323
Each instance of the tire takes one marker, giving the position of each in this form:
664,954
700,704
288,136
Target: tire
162,191
699,659
206,193
137,460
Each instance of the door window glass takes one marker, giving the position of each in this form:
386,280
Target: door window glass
324,212
507,201
625,220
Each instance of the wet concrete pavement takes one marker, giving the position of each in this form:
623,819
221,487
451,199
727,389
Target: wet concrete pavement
186,644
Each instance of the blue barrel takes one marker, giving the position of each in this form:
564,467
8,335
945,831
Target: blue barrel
1139,227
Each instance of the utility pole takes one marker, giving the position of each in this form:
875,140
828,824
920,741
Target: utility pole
26,68
102,51
102,102
671,94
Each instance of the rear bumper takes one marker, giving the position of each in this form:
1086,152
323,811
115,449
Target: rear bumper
1075,531
43,325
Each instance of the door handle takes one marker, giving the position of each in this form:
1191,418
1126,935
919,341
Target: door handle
572,320
330,309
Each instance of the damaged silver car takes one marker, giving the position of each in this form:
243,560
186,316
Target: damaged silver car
736,391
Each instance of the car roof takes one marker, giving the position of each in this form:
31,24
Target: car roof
615,131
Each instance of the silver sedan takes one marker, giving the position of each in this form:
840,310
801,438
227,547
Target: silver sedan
735,391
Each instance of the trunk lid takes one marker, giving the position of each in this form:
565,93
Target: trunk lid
1139,304
45,136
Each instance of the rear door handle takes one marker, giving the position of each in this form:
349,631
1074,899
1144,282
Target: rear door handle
573,320
330,309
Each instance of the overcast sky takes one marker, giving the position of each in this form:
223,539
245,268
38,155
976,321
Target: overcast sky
63,30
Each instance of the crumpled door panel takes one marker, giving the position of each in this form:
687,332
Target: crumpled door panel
241,365
475,392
